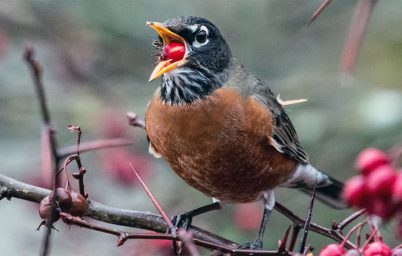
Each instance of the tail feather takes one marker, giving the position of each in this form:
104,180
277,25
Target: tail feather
328,189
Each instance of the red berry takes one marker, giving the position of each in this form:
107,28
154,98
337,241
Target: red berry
377,249
79,204
332,250
63,197
397,189
381,181
174,51
381,207
355,192
247,216
46,209
370,159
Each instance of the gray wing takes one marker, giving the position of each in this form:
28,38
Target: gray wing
284,136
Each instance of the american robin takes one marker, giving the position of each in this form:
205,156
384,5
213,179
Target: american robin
221,128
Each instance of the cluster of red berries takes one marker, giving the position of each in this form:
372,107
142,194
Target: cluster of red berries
378,189
377,248
379,186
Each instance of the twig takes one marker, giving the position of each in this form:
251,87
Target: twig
358,26
134,120
101,212
37,78
76,129
122,236
350,219
318,11
308,222
81,170
330,233
95,145
295,232
155,202
283,242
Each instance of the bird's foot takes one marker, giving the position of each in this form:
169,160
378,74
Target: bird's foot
255,245
182,220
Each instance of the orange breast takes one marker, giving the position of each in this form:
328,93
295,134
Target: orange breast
220,145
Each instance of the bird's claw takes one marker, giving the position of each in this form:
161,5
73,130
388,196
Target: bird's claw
183,221
180,221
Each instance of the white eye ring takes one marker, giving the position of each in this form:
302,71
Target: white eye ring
199,44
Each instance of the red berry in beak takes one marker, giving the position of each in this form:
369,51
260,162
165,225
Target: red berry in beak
355,192
174,51
370,159
332,250
377,249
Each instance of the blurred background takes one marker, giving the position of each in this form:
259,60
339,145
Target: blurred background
96,57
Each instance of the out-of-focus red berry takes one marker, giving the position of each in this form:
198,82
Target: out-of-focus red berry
174,51
381,207
113,124
397,189
332,250
377,249
354,191
381,181
397,252
370,159
247,216
116,164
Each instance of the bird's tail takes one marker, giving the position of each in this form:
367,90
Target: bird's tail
328,189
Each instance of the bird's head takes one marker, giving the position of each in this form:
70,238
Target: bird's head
192,56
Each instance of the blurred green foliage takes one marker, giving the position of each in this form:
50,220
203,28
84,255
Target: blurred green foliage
96,57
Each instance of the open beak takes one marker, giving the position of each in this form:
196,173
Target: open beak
167,37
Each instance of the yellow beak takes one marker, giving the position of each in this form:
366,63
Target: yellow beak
167,37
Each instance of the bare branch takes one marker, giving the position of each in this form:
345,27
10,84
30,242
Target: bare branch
101,212
94,145
36,71
134,120
318,11
361,16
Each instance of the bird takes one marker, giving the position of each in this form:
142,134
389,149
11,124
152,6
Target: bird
222,129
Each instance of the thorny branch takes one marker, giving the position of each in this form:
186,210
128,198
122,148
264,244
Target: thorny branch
36,71
149,221
94,145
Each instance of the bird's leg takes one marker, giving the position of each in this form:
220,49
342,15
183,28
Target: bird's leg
269,202
184,220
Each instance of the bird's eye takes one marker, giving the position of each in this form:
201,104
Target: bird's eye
201,37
